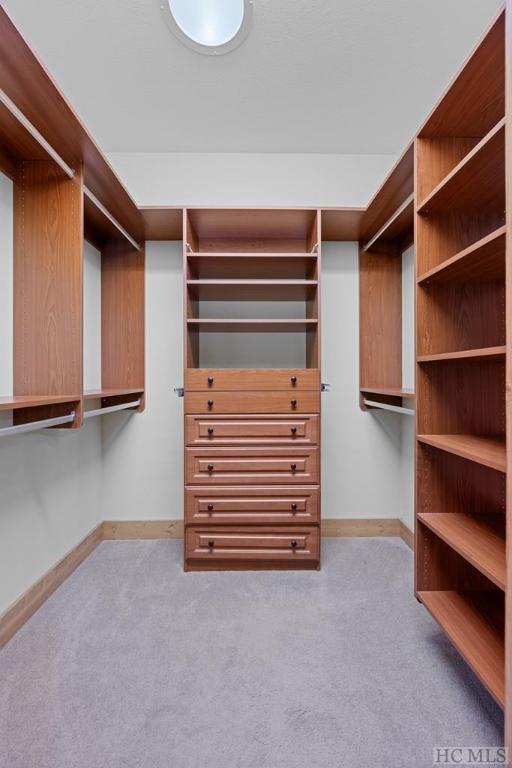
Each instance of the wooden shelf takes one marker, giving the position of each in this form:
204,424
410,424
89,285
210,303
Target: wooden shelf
249,255
388,391
251,290
247,325
483,260
473,634
398,228
489,451
472,538
95,394
162,222
486,353
478,181
12,403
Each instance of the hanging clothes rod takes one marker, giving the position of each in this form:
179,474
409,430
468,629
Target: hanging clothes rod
111,409
387,407
25,122
33,426
92,197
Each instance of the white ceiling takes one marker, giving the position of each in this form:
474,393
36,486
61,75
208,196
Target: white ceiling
320,76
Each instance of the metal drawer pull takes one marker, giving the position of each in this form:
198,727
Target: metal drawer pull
210,507
294,467
211,543
293,544
210,467
210,380
293,403
210,403
293,379
294,430
294,507
210,430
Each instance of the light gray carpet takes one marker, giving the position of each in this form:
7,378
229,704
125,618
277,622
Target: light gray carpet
134,664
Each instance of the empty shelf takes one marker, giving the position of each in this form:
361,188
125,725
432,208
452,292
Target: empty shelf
473,634
399,227
94,394
388,391
485,353
239,290
483,260
474,540
478,181
489,451
254,326
13,402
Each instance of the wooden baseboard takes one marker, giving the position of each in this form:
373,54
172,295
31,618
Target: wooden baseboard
142,529
15,616
28,604
406,534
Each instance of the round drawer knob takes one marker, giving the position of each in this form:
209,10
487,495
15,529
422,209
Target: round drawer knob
210,507
293,467
293,379
210,403
211,543
210,430
294,430
210,380
293,403
210,467
294,507
293,544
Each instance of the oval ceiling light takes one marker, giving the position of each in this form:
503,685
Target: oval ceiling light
209,26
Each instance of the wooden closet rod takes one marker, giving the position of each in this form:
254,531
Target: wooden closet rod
111,409
109,216
25,122
32,426
387,407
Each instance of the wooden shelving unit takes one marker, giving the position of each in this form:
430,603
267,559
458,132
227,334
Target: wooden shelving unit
387,230
462,350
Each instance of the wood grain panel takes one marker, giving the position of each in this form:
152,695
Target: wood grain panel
247,379
122,317
48,241
252,466
252,402
247,430
240,506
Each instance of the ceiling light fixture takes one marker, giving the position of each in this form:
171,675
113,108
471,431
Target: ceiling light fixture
212,27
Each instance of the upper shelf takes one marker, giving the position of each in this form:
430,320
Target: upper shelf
96,394
27,84
252,290
15,402
478,181
481,261
399,228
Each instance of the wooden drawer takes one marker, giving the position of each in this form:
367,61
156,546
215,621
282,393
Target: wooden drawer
252,402
291,545
247,430
251,466
241,507
206,379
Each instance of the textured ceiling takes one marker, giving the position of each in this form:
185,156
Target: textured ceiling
330,76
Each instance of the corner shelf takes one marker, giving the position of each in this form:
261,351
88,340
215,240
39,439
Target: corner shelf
399,227
489,451
476,638
472,538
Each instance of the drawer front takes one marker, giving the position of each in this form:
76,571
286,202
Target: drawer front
241,507
252,402
206,379
251,466
247,430
252,543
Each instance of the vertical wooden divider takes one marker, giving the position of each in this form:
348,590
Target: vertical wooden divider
508,376
123,317
48,293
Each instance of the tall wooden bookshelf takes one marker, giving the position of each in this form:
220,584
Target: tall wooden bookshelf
462,352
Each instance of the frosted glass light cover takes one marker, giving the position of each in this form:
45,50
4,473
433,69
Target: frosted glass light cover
208,22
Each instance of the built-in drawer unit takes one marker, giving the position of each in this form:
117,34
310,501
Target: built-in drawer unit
286,401
251,466
259,544
251,430
239,506
268,379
